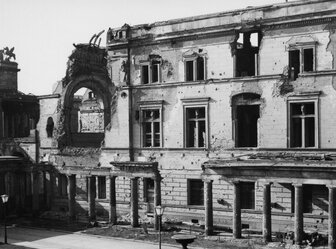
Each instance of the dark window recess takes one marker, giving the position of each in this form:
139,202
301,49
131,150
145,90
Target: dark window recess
308,57
50,127
189,70
307,198
247,125
302,133
62,185
195,192
195,127
101,187
144,74
200,68
294,64
247,195
247,49
151,128
155,71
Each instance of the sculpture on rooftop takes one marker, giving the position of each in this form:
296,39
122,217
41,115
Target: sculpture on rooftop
7,54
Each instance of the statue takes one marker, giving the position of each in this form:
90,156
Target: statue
7,54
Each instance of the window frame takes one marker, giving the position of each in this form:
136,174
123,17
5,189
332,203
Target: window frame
190,190
301,46
150,64
195,103
145,106
193,57
301,99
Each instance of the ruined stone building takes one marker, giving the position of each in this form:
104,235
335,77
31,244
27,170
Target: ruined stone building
19,114
225,118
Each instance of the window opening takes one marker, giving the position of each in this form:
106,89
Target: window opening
300,60
150,70
101,187
195,126
151,123
189,70
144,74
50,127
247,195
246,54
302,124
246,113
195,192
149,193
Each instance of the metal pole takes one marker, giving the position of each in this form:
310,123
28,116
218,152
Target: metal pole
5,223
160,231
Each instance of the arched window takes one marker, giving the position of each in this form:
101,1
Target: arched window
50,127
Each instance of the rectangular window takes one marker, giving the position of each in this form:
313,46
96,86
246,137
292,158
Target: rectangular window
150,72
151,128
300,60
195,69
247,195
303,124
195,192
101,187
195,127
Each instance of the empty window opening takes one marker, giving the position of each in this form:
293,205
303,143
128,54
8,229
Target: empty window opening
246,54
195,127
151,128
189,70
148,187
247,195
303,119
195,192
246,108
87,118
155,71
101,188
145,74
50,127
300,60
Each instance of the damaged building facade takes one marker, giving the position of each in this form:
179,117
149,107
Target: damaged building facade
226,118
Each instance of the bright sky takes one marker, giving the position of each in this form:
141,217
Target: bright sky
43,31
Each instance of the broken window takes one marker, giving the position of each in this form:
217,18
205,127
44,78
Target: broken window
247,195
246,50
150,71
151,127
245,108
303,124
195,127
195,192
50,127
101,188
300,60
194,68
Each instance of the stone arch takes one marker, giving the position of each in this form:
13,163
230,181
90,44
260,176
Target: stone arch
101,85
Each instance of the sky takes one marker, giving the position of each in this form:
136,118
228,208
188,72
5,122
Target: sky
43,31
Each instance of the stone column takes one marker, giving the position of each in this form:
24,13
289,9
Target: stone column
92,197
208,207
72,196
236,211
157,199
298,221
36,199
134,202
113,201
267,215
332,217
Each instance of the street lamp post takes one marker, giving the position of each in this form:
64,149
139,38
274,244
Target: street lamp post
159,212
4,200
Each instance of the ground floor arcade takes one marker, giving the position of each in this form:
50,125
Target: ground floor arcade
267,172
